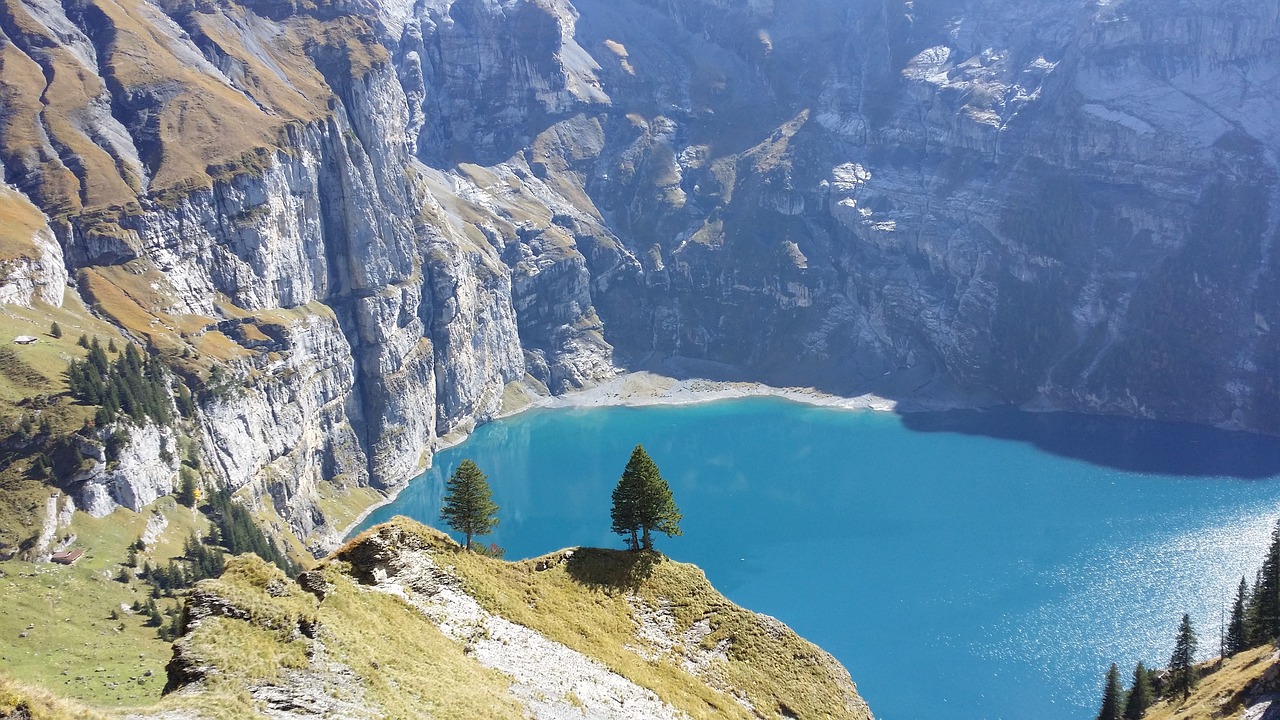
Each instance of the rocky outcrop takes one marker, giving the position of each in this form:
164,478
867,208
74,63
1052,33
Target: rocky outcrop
142,468
410,205
344,632
31,264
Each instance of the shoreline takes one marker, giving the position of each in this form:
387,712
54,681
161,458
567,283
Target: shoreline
648,389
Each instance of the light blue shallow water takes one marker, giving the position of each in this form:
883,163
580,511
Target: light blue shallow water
961,565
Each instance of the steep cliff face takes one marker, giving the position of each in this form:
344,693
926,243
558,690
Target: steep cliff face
1038,205
370,218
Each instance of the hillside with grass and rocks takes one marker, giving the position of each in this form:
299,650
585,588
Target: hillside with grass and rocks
402,622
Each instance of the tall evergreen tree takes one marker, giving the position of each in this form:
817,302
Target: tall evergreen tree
1182,670
1237,638
239,533
642,503
625,513
1267,593
187,488
468,502
1141,696
1112,696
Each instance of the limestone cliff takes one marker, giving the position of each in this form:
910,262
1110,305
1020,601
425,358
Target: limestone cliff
372,217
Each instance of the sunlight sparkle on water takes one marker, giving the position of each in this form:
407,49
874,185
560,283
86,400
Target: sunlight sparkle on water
1135,595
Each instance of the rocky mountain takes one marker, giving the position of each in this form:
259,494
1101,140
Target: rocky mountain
348,226
402,623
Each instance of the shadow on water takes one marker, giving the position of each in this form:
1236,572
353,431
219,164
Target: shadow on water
1121,443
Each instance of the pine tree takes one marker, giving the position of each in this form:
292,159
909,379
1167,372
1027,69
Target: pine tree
83,341
187,488
1182,670
55,330
642,502
625,513
468,502
153,614
1237,638
237,531
1266,593
1112,695
1141,695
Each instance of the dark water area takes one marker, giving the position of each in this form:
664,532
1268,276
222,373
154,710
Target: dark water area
1138,446
962,565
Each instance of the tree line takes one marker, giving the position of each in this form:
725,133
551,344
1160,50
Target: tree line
130,386
1254,622
642,504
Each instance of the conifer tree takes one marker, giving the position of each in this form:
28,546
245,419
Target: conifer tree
237,531
642,503
1237,639
468,502
1112,696
625,512
55,330
187,488
1182,670
1266,593
153,614
1141,696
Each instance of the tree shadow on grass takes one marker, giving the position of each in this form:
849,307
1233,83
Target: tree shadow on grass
603,570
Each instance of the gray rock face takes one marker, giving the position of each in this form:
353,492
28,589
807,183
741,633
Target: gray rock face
31,266
1054,204
143,470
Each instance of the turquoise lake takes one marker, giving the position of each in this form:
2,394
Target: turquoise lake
962,565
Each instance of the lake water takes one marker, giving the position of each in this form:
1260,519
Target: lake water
962,565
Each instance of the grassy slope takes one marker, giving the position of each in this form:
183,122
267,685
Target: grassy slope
1222,692
19,222
73,646
406,666
29,371
583,603
39,704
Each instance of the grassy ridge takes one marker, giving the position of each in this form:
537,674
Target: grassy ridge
18,700
584,600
